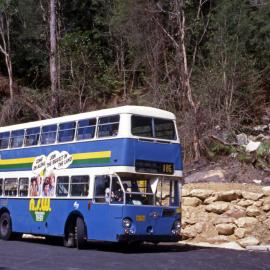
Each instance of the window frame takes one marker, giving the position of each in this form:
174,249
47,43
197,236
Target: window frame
107,124
71,185
11,178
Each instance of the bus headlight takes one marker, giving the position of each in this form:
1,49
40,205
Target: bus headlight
126,222
176,227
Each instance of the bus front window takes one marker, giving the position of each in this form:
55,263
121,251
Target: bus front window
151,191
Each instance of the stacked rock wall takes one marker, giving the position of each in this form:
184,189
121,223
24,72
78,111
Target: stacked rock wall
220,213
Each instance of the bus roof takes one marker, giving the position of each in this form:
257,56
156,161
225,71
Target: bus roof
138,110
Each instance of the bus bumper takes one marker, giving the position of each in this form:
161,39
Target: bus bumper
149,238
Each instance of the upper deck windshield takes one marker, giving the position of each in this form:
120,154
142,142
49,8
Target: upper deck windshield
151,191
151,127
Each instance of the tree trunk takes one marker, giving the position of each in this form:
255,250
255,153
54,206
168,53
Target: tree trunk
53,59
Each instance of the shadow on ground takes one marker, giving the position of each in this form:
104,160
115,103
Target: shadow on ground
121,248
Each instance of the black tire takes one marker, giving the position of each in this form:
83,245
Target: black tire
16,236
80,233
5,227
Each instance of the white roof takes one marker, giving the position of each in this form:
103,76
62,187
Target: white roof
138,110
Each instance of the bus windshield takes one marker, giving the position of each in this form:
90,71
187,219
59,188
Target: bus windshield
159,128
151,191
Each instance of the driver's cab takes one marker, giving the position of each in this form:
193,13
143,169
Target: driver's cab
137,189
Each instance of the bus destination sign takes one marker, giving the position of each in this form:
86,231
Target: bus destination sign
154,167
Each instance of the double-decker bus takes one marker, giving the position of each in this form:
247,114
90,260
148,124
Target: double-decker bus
109,175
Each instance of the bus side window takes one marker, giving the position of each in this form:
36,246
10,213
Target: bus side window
48,134
16,138
32,136
62,186
66,132
23,187
108,126
4,140
1,187
11,187
102,188
79,186
86,129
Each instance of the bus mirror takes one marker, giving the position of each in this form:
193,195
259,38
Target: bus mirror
154,183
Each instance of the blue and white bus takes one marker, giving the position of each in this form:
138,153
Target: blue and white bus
109,175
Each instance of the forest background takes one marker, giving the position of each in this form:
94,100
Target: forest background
208,61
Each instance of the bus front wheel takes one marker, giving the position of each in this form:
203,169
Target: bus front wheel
5,227
80,233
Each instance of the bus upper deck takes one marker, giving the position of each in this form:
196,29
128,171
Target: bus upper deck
141,138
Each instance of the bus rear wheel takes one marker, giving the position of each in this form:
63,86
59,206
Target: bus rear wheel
5,227
80,233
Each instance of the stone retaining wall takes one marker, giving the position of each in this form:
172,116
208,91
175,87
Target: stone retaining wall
223,213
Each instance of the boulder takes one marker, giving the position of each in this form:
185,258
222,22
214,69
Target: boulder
245,222
218,239
267,223
188,232
217,207
266,207
240,233
192,231
252,195
266,191
201,193
225,229
253,211
245,203
236,212
252,146
229,196
242,139
223,220
258,203
249,241
188,201
185,192
211,199
206,176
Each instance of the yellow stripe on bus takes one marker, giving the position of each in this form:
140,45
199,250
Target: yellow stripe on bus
89,155
16,161
104,154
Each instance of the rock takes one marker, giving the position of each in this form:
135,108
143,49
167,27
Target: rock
192,231
252,146
253,211
245,222
242,139
187,201
223,220
245,203
257,182
185,192
225,229
218,239
266,207
258,203
206,176
217,207
236,212
252,195
267,223
240,233
231,245
229,196
201,193
211,199
189,232
266,191
249,241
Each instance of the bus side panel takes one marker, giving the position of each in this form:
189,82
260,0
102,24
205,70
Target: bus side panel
124,152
